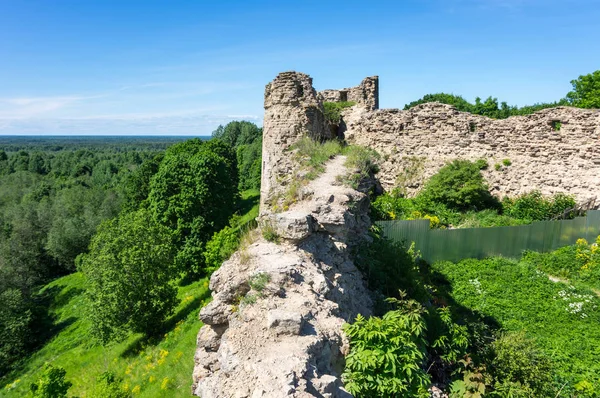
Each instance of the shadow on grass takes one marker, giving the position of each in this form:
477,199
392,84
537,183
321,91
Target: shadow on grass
140,343
246,204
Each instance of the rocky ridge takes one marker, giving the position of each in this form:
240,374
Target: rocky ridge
282,337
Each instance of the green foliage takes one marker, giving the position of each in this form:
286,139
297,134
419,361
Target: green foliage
586,91
313,155
269,233
519,368
246,140
193,194
136,186
497,167
481,164
490,107
109,386
389,267
259,281
577,263
460,186
506,162
137,363
15,320
51,384
534,206
364,163
387,354
473,382
560,319
129,269
220,247
333,110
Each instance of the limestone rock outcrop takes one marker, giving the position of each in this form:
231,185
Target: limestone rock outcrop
282,337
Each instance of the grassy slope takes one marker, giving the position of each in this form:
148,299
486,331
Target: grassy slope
520,297
148,368
138,361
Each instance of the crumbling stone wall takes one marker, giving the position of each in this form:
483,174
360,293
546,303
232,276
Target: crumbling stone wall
292,110
366,94
553,150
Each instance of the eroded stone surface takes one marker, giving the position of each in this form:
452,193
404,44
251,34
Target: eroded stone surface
431,134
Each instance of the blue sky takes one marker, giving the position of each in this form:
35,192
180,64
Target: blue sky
184,67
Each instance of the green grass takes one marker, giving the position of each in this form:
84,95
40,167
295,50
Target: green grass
161,368
333,110
248,207
517,296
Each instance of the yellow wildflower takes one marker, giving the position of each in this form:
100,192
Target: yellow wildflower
165,384
136,389
151,379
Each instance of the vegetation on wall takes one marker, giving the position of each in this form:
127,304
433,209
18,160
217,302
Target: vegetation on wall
333,110
457,196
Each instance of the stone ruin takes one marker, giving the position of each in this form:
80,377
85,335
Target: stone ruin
287,341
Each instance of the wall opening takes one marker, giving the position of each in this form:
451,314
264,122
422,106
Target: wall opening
556,125
343,96
472,127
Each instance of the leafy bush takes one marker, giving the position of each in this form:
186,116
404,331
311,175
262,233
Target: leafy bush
460,186
51,384
519,368
129,271
221,246
535,207
387,354
333,110
389,267
109,386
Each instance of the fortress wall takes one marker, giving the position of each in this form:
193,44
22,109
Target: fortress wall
553,150
292,110
366,94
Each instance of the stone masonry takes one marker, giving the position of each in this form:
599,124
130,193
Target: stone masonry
366,94
553,150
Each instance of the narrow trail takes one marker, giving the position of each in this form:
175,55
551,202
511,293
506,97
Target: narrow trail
556,279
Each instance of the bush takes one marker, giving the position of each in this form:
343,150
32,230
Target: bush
333,110
51,384
221,246
535,207
389,267
387,354
459,186
129,272
519,369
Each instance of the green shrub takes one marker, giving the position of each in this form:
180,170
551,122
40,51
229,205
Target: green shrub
460,186
221,246
482,164
497,167
51,384
535,207
387,354
506,162
109,386
333,110
519,368
364,163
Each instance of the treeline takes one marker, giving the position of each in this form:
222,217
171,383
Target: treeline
585,94
133,220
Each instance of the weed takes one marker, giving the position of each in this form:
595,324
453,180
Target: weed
259,281
269,233
333,110
506,162
497,167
